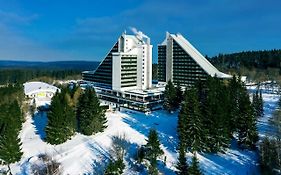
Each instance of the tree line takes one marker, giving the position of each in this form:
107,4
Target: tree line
211,114
249,59
21,75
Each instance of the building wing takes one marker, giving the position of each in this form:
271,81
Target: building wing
180,62
102,76
198,57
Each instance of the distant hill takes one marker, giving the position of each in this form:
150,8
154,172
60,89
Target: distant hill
57,65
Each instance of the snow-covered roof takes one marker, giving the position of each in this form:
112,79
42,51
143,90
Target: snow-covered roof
197,56
35,87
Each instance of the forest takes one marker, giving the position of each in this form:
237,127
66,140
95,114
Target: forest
11,76
20,72
212,114
256,65
249,59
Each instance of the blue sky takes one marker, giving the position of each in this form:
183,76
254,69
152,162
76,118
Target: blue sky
52,30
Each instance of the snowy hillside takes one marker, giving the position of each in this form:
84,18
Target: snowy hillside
89,154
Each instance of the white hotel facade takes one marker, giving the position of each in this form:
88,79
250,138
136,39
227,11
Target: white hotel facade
124,77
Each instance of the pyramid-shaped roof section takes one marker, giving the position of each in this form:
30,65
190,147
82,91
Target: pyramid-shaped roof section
196,55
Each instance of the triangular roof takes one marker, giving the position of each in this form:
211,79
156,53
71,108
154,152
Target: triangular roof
197,56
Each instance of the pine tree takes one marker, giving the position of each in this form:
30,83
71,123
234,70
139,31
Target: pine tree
182,125
255,104
153,145
61,120
260,102
201,95
91,117
270,153
170,97
216,116
194,168
247,130
10,125
10,151
194,132
182,165
115,167
179,95
233,89
153,151
152,169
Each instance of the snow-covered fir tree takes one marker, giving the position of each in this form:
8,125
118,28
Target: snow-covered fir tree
10,125
194,168
90,115
170,97
182,166
61,120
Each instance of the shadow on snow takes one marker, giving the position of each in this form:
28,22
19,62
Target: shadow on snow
40,121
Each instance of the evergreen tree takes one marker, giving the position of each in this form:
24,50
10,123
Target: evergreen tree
10,151
179,95
61,120
234,88
182,125
153,151
152,169
194,168
216,116
182,165
91,117
270,155
170,97
153,145
255,104
115,167
247,130
192,132
10,125
260,102
201,89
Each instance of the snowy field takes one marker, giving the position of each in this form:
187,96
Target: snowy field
90,154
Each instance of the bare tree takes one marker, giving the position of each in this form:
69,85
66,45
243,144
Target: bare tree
46,166
119,146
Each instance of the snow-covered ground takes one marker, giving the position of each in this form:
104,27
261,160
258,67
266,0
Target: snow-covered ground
89,154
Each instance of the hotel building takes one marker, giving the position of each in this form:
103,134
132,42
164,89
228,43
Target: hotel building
182,63
124,77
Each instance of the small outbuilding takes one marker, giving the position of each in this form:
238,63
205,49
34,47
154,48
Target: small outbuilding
41,92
